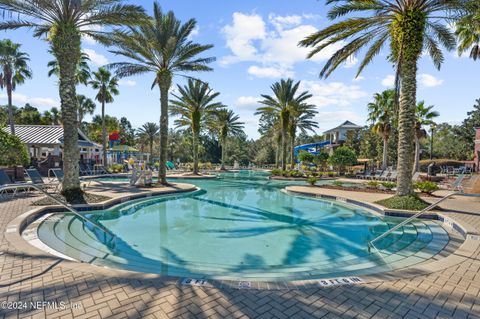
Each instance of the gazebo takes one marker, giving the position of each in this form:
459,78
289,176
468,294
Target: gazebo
119,153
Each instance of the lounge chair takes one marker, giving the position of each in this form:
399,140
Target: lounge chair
85,170
99,169
57,174
37,179
6,181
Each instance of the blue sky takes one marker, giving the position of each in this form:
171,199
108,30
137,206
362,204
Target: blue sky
255,45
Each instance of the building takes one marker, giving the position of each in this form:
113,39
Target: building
476,158
45,142
338,135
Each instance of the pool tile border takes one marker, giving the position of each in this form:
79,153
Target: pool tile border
466,250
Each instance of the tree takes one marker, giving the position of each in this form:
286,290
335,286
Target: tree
381,113
410,26
82,72
280,107
12,150
321,159
85,106
301,117
63,23
163,47
424,116
306,157
149,131
468,31
227,124
342,157
195,106
13,71
107,87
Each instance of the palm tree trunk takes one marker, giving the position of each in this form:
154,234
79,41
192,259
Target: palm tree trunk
104,136
416,164
66,48
151,150
165,81
285,118
292,155
195,152
10,105
406,122
385,152
224,150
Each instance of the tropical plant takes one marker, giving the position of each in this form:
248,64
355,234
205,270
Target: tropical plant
381,113
410,26
301,117
280,106
195,105
13,71
64,22
423,116
149,131
51,117
468,30
12,150
342,157
306,157
82,72
426,187
312,180
85,106
227,124
163,47
107,87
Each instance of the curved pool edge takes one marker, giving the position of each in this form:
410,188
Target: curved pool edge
15,234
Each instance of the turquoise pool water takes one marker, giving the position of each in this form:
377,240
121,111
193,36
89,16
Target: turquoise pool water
242,226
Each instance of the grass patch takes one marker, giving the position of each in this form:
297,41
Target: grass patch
410,202
88,198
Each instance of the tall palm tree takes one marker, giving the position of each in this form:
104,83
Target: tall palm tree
423,116
195,105
227,124
149,131
162,47
280,105
381,113
85,106
82,73
301,117
13,71
468,30
107,87
62,23
410,26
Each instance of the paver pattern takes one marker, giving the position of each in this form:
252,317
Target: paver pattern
451,293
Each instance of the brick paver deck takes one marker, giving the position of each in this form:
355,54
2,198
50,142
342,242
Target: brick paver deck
451,293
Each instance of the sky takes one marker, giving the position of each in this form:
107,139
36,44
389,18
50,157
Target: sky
255,44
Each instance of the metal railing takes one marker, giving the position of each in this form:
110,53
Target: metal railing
409,219
15,187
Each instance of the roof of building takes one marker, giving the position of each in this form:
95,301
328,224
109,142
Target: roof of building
345,125
46,135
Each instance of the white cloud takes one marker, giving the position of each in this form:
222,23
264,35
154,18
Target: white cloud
358,78
21,99
351,62
335,117
269,72
195,32
127,82
429,80
247,101
96,58
274,43
333,93
389,80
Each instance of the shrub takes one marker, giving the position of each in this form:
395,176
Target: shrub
410,202
277,172
294,173
389,185
337,183
312,180
12,151
426,187
116,168
321,159
305,157
372,184
343,157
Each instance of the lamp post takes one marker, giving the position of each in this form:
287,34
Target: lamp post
432,130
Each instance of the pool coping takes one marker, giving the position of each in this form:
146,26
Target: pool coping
17,226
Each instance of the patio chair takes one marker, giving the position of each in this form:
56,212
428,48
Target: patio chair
377,174
393,176
99,169
416,177
57,174
37,179
6,181
85,170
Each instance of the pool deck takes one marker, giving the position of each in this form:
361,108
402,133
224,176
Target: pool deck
453,292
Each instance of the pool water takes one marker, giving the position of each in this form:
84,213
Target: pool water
241,226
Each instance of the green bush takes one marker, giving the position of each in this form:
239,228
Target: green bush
116,168
372,184
277,172
389,185
294,173
12,151
410,202
312,180
331,174
342,157
426,187
337,183
321,159
305,157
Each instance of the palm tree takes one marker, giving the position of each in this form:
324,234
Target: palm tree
149,131
82,73
162,47
63,23
194,104
410,26
301,117
280,106
381,113
13,71
227,124
85,106
468,31
424,116
107,87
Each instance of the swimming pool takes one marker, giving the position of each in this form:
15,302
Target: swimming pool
241,226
